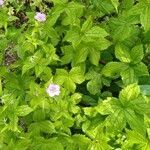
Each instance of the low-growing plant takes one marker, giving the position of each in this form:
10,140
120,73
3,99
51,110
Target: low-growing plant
74,75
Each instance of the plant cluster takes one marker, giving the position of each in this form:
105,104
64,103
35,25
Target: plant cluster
74,75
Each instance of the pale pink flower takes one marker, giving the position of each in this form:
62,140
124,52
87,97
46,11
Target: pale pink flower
1,2
41,17
53,90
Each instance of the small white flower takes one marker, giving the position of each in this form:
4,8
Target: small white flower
53,90
1,2
41,17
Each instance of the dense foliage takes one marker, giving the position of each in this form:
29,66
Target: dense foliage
74,75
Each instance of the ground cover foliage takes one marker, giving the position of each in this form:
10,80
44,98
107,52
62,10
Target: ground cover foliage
74,75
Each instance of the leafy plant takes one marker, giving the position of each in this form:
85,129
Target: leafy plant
74,75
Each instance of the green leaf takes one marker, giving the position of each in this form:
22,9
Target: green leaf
77,75
88,100
69,85
73,36
113,69
145,19
95,83
100,141
94,86
148,132
122,53
13,125
129,93
54,15
137,138
31,61
41,143
116,121
0,87
144,80
141,104
121,28
99,146
80,55
106,106
4,45
140,69
101,43
81,141
94,56
3,17
42,126
28,65
60,2
96,32
115,3
135,121
145,89
52,33
39,115
137,54
127,4
105,7
129,76
68,52
60,76
87,25
122,111
24,110
74,11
